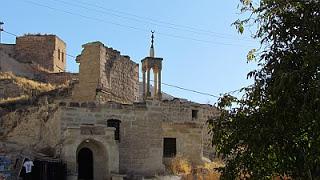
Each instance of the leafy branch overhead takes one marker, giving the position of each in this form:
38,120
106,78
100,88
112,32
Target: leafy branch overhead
274,129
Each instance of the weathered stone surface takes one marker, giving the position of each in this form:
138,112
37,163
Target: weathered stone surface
49,51
107,93
32,127
105,75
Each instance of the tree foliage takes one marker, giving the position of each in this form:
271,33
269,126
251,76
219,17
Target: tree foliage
274,129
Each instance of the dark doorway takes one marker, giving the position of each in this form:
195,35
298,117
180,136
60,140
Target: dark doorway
85,164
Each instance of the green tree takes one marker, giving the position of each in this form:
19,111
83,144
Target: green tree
274,129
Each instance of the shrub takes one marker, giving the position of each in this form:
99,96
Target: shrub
180,165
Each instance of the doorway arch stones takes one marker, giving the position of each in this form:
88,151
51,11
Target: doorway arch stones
100,140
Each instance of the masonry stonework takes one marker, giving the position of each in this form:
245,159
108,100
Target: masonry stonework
105,75
48,51
107,113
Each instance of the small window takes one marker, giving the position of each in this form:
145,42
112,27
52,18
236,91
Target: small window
194,114
116,124
59,54
169,147
62,56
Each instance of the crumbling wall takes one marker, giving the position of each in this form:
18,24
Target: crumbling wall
91,60
122,76
56,78
105,75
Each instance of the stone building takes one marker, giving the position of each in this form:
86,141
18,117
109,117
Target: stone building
110,125
38,57
47,51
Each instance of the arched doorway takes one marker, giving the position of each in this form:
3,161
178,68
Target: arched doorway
85,164
92,160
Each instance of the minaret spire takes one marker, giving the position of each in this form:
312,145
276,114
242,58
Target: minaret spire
152,48
151,64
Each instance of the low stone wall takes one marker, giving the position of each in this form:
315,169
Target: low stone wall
56,78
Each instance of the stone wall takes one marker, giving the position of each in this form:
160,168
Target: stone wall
188,138
100,140
140,133
105,75
122,76
8,49
56,78
66,126
142,130
46,50
59,55
91,60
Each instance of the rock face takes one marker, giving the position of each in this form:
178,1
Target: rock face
32,127
104,117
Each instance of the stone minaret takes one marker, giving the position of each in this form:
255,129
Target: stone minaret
155,64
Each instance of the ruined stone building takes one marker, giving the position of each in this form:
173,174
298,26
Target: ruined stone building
103,123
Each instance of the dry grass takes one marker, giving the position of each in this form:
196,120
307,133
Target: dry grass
208,171
180,165
26,86
27,83
212,165
13,99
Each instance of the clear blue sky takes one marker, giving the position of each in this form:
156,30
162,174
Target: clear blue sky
201,50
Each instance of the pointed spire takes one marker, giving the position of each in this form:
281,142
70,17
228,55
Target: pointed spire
152,48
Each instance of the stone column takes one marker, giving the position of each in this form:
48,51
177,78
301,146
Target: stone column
159,85
155,75
143,83
148,83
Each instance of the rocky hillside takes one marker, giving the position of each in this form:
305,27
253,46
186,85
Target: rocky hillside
19,93
14,88
28,112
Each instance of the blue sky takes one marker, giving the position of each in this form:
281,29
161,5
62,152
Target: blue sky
200,48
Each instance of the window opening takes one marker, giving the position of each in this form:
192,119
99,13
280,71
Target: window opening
169,147
116,124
